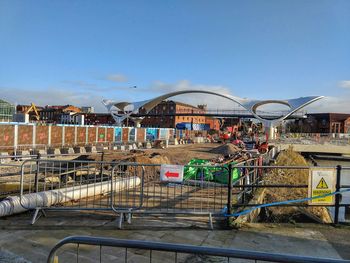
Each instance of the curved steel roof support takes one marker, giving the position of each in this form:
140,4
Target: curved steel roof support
115,108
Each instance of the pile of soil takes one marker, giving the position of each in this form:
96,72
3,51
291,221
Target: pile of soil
150,172
226,149
135,156
291,177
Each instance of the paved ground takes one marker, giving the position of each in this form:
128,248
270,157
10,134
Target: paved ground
33,243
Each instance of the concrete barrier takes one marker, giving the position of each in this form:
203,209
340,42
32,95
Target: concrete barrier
121,147
4,160
36,152
54,151
68,150
99,148
79,150
90,149
23,155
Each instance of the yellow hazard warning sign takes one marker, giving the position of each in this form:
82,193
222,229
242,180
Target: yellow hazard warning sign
321,185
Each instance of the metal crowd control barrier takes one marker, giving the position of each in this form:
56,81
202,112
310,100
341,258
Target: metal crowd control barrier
192,197
125,188
99,249
65,185
132,188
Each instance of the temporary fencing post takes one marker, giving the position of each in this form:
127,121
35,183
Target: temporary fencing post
229,197
36,185
101,166
337,196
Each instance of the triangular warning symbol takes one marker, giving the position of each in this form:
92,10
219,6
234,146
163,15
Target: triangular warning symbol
322,184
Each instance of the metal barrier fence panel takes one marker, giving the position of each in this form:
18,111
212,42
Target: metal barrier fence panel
294,182
344,199
54,184
154,196
137,188
97,249
97,185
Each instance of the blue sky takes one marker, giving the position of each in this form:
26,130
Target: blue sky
79,52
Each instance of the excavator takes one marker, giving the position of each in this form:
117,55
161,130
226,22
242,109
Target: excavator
33,108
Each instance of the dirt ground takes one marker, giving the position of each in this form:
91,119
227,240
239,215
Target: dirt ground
179,154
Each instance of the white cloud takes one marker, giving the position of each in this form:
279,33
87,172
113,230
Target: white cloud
163,87
52,96
344,84
213,102
331,104
117,77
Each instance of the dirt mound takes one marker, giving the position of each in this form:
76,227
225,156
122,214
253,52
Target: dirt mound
226,149
150,172
291,177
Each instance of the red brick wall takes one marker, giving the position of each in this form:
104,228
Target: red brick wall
25,134
110,134
56,135
41,134
91,134
125,135
101,134
7,135
69,135
140,133
81,135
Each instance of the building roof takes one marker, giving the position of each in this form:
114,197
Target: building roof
183,104
5,102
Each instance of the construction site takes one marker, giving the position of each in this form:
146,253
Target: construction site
221,179
223,185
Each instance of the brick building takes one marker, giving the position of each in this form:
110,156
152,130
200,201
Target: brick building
52,114
324,123
170,107
214,124
99,119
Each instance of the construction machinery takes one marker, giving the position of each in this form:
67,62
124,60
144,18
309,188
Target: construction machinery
33,108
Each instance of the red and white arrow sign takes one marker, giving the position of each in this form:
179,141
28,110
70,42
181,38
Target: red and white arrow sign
171,173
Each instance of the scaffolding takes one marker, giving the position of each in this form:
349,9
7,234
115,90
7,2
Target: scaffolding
6,111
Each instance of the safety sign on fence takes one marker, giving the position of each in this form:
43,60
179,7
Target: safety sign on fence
171,173
322,182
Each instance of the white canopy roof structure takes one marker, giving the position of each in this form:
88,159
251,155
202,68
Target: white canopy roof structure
119,112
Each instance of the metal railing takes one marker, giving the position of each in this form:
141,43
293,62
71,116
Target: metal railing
303,171
148,251
315,138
